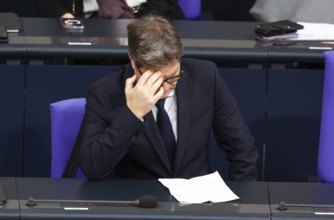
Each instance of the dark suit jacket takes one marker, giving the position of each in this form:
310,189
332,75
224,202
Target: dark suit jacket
55,8
115,143
167,8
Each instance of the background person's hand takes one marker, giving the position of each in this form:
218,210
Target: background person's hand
67,15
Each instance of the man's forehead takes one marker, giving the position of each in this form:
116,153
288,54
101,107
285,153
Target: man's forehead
168,70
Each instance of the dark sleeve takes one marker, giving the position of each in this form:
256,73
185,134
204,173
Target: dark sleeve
107,131
167,8
232,134
52,8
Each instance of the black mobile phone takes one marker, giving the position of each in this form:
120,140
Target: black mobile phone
3,35
72,24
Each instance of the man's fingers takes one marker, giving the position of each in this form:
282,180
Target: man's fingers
144,77
156,76
158,95
129,83
156,85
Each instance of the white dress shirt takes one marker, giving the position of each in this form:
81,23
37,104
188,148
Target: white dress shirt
90,6
134,3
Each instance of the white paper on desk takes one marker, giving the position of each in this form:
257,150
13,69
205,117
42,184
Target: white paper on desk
315,31
207,188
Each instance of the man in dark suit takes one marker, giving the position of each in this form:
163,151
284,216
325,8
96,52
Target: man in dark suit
119,136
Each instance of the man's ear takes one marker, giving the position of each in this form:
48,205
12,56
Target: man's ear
133,64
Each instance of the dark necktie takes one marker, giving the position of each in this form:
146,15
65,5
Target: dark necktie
165,129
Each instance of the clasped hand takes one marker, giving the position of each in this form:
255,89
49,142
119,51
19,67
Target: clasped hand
142,93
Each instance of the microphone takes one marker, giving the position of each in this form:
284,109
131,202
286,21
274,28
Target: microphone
146,202
142,202
284,206
3,198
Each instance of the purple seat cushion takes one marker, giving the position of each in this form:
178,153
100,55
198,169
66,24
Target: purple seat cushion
66,118
191,8
326,145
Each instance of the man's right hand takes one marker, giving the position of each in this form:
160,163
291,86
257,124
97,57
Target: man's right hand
142,94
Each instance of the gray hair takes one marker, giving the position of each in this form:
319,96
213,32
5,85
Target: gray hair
153,41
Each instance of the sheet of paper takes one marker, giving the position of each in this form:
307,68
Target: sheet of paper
207,188
315,31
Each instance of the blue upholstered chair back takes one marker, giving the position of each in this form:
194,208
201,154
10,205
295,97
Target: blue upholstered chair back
326,145
191,9
66,118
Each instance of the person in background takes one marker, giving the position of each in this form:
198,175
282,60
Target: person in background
153,117
294,10
109,8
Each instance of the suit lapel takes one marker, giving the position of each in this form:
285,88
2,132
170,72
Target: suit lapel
153,136
183,93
